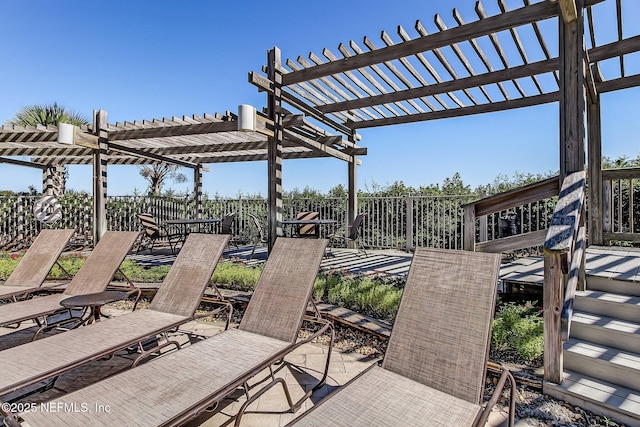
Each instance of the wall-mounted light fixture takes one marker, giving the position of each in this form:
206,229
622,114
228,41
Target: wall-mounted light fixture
246,118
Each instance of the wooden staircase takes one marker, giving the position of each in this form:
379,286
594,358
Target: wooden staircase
602,356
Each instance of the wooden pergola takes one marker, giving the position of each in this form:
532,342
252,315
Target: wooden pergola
467,69
189,141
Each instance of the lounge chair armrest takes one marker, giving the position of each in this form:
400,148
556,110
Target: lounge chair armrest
506,375
224,305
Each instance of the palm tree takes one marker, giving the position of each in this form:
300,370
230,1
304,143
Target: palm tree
155,174
34,115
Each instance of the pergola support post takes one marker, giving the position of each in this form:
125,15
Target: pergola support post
352,208
595,173
572,95
197,190
572,159
100,176
274,148
53,180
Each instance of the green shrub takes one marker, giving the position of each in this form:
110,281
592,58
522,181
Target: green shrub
519,327
236,276
364,294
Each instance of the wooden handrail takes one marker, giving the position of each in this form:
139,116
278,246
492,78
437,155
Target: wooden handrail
498,202
564,245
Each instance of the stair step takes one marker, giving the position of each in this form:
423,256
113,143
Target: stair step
603,362
601,397
619,306
612,332
617,286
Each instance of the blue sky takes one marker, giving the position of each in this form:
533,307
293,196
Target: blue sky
144,60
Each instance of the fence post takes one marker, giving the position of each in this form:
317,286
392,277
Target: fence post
469,243
409,230
20,235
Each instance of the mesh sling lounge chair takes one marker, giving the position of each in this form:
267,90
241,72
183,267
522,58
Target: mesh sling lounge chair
226,227
308,230
351,235
94,276
33,268
434,368
152,231
174,304
261,237
172,389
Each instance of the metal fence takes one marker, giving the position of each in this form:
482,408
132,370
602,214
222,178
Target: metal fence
391,222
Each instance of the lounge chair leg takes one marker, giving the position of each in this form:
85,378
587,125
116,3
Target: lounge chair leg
293,408
153,350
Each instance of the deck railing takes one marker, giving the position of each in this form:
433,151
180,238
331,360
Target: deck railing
621,204
392,222
526,210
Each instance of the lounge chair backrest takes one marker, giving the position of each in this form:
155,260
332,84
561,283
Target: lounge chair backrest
441,333
227,222
256,222
149,224
309,229
354,230
99,268
182,289
280,299
36,263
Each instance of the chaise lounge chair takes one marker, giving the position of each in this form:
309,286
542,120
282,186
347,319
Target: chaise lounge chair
433,372
33,268
175,388
174,304
94,276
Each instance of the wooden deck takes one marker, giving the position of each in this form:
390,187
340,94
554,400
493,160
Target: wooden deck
607,262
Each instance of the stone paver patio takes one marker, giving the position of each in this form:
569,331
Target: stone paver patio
301,371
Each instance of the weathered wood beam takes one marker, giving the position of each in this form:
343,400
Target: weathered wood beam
266,85
611,50
100,176
445,63
173,130
157,157
317,146
17,162
459,112
527,70
569,10
482,14
274,149
572,95
518,17
483,57
430,69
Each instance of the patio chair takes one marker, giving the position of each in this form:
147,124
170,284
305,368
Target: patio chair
152,232
309,230
352,234
94,276
32,270
175,388
260,238
226,228
174,304
433,372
